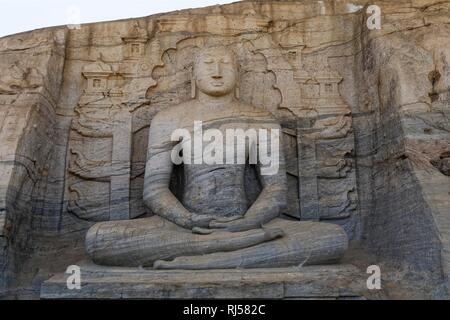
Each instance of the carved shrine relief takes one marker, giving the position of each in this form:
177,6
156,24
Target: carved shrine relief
101,135
320,145
110,131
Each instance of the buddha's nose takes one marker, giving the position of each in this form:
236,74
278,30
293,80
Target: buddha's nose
217,74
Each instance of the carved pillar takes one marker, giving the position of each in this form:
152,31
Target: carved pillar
326,176
121,167
307,171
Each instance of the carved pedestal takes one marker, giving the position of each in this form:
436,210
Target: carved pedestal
318,282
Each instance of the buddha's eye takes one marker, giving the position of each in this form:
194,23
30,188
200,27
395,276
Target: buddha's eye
225,61
208,60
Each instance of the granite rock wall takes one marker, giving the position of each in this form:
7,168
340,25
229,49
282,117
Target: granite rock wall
365,116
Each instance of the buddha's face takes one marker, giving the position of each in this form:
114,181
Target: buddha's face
215,71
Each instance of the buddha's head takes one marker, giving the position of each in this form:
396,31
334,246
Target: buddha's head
215,71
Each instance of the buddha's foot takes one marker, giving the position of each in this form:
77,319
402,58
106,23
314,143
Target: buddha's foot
189,262
273,233
305,243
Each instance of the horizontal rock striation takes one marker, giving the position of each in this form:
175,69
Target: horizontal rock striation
365,118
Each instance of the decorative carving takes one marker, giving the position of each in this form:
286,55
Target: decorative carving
333,127
17,77
105,112
320,94
214,203
334,168
213,23
145,82
442,163
89,169
87,208
97,77
364,119
325,147
135,43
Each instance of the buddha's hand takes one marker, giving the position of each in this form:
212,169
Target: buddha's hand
213,219
201,220
234,224
220,220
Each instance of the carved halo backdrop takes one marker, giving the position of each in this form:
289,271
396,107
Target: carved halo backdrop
108,139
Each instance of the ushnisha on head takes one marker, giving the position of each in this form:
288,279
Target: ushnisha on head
215,72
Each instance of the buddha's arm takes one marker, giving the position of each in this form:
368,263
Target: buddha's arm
159,166
270,203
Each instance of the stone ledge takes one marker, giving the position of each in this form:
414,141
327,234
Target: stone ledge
313,282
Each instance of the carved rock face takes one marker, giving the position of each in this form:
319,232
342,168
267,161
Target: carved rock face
215,72
364,117
443,163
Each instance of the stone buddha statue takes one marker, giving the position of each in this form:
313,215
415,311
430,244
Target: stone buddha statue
213,223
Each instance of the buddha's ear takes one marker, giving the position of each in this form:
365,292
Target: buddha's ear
193,85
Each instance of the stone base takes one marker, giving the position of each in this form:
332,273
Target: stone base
314,282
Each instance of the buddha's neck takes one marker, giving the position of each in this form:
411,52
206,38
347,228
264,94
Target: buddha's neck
213,102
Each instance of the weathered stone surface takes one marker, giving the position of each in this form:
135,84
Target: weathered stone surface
212,224
159,243
318,282
369,155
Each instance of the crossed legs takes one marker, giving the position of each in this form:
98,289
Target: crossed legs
159,243
304,243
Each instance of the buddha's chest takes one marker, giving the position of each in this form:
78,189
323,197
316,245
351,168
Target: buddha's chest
217,143
215,189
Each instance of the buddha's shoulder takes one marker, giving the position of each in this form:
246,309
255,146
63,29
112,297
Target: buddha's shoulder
173,113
